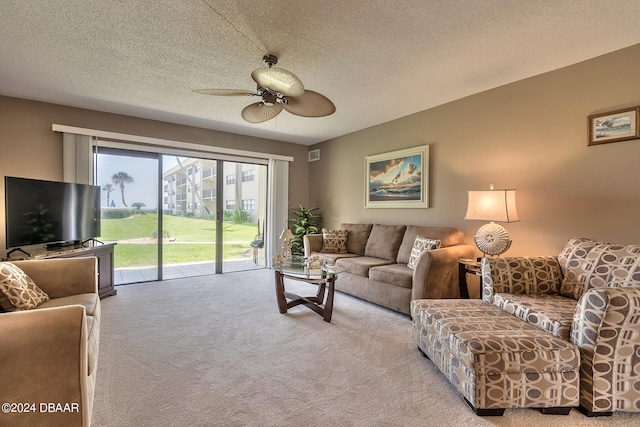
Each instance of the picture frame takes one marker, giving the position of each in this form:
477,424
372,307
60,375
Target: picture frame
398,179
614,126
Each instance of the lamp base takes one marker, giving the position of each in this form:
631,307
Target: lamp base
286,249
492,239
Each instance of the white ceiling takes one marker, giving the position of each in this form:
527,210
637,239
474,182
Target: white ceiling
377,60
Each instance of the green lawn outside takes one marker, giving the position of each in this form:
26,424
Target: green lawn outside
193,242
137,255
184,229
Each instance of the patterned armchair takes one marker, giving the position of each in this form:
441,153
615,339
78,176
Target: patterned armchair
590,295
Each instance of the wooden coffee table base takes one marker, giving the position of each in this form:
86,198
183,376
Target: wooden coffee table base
317,303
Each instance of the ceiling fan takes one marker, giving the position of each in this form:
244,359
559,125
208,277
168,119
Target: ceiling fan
279,89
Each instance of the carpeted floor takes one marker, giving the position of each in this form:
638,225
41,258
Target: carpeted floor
215,351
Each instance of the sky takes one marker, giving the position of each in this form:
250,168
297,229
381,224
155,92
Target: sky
144,187
401,171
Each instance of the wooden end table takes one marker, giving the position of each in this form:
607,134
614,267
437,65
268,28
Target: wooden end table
325,277
471,266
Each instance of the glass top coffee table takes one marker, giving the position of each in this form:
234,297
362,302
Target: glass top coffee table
296,269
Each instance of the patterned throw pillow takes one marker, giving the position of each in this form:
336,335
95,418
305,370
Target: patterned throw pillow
420,245
19,289
334,241
588,264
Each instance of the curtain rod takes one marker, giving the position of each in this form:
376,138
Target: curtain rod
166,143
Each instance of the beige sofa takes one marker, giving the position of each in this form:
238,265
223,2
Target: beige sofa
376,258
50,353
579,314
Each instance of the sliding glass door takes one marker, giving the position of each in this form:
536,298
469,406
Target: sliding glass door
130,215
174,216
244,215
189,216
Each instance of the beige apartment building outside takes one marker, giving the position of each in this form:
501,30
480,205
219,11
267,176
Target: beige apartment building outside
190,188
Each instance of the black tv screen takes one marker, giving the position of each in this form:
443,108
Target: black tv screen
40,212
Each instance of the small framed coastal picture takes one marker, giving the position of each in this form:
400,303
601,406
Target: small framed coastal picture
398,179
614,126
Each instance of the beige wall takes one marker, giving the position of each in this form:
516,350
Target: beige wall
29,148
530,135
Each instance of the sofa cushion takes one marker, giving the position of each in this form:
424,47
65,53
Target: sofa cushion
420,245
360,265
334,241
332,258
18,288
448,236
90,302
384,241
357,238
395,274
588,264
551,313
525,275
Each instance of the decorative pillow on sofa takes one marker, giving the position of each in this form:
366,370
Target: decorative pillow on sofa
588,264
18,289
334,241
448,236
420,245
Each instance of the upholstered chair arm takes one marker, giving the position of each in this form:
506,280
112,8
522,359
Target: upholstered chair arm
312,243
61,277
44,356
606,328
436,272
520,275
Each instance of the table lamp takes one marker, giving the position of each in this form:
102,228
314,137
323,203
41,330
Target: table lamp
286,237
492,205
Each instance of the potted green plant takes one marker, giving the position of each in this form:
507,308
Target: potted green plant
305,221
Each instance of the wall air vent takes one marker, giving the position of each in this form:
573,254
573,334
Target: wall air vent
314,155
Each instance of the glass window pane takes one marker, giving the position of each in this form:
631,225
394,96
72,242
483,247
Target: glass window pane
129,183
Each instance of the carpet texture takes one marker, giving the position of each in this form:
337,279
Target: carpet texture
215,351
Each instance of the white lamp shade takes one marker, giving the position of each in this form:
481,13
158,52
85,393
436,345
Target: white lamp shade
492,205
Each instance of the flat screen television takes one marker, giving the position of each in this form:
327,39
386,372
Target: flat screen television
49,212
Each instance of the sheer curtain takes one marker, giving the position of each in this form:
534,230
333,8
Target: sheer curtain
277,205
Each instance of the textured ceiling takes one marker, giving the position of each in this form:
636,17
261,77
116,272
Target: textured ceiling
377,60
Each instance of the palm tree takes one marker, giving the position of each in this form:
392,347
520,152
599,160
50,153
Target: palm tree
108,188
122,178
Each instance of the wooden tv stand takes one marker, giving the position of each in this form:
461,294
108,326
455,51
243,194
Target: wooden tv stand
104,254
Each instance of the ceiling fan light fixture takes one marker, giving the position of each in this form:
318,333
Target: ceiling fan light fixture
279,89
269,99
278,80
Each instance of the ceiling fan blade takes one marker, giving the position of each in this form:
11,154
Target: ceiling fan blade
258,112
278,80
310,104
225,92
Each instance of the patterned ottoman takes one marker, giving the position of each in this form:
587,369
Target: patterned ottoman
496,360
